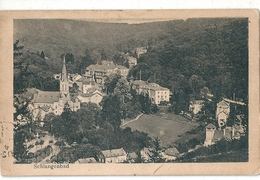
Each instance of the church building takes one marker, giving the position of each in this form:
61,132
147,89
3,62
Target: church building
45,102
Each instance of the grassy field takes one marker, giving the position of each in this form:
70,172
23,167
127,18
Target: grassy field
168,127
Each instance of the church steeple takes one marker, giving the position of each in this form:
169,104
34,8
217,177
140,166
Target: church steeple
64,75
64,83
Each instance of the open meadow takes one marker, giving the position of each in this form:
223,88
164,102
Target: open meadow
168,127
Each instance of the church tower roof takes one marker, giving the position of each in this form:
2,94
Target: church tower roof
64,75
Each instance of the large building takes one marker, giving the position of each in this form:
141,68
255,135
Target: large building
112,156
156,93
99,72
45,102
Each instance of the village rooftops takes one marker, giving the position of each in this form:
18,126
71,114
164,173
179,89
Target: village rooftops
114,153
102,67
46,96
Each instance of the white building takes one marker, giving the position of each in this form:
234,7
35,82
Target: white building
156,93
112,156
222,112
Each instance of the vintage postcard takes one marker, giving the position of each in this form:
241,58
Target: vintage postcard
170,92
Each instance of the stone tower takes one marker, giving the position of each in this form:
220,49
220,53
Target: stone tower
64,83
210,130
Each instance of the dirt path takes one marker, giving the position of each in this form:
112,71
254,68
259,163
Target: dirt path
125,123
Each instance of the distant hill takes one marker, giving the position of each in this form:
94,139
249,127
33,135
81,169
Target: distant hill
56,36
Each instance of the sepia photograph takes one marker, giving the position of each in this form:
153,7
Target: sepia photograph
131,91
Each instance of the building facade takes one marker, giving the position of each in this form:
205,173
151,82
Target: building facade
99,72
156,93
45,102
222,112
112,156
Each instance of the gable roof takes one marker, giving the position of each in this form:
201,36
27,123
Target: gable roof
46,96
45,108
86,160
223,104
114,153
210,126
152,86
132,155
171,151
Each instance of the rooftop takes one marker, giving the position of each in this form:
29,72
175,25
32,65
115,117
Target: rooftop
146,85
46,96
86,160
223,104
104,67
132,155
171,152
210,126
114,152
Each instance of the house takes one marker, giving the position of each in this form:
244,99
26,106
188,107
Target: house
170,154
195,106
132,157
222,118
214,135
112,156
89,84
94,96
222,112
86,160
132,61
140,50
99,72
156,93
210,131
147,154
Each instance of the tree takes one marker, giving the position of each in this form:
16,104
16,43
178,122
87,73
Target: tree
42,55
196,83
111,110
85,61
157,143
146,103
17,49
103,55
110,83
20,150
122,89
74,88
96,57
